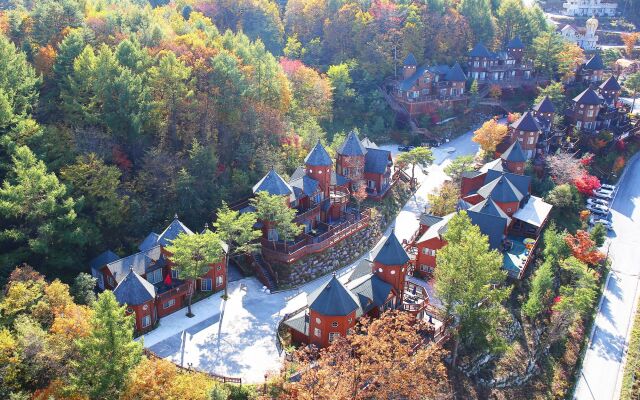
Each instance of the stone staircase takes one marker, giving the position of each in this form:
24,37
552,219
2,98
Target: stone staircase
264,271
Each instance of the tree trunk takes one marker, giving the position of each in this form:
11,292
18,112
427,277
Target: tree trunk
226,273
413,167
454,358
189,313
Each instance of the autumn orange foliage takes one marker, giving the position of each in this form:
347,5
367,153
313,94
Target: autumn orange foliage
630,39
584,248
490,135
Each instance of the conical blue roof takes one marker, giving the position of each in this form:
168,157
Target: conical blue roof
273,184
392,252
480,51
173,230
410,60
515,43
332,299
514,153
610,84
455,74
352,146
526,123
502,190
545,106
588,97
595,62
318,156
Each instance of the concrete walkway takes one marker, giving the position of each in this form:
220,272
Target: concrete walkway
602,369
237,338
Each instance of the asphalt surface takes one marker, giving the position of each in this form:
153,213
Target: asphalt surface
602,369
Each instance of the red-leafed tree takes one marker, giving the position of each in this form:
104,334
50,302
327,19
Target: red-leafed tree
584,248
586,184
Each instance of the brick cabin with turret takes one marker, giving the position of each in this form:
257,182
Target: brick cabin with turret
368,290
497,199
506,68
427,89
321,196
147,282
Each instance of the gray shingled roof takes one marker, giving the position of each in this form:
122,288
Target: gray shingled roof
488,206
273,184
140,262
515,43
429,219
588,97
377,160
372,292
148,242
134,290
337,179
480,51
521,182
527,123
332,299
410,60
368,143
363,268
352,146
408,83
392,252
610,84
304,186
595,62
103,259
455,74
297,174
545,106
172,231
318,156
489,225
502,190
514,153
299,322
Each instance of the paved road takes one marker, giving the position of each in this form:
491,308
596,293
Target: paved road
602,369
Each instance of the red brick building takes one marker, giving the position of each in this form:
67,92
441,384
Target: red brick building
497,199
426,89
370,289
147,281
321,197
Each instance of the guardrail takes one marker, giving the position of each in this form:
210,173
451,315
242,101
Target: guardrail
287,254
219,378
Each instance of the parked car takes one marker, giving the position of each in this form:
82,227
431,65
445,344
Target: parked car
593,200
450,149
598,209
406,148
608,187
605,222
603,194
432,143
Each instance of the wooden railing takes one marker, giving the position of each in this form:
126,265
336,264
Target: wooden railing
183,288
219,378
279,252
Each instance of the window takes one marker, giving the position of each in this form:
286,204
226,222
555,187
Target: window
205,285
146,321
350,319
371,184
393,272
590,113
428,252
333,336
219,281
317,332
531,140
334,324
111,281
174,274
155,276
169,303
219,268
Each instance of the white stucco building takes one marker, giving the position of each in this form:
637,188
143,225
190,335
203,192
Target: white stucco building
583,37
586,8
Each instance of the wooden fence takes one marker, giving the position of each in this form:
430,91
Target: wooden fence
219,378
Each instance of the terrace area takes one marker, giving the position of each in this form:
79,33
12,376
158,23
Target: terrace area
517,252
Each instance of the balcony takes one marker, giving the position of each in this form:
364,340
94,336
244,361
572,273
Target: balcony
177,287
308,243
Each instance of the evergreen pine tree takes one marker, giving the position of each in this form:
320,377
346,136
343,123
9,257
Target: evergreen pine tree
108,353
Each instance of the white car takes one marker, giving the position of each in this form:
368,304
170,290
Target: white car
450,149
604,222
603,194
608,187
594,201
598,209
